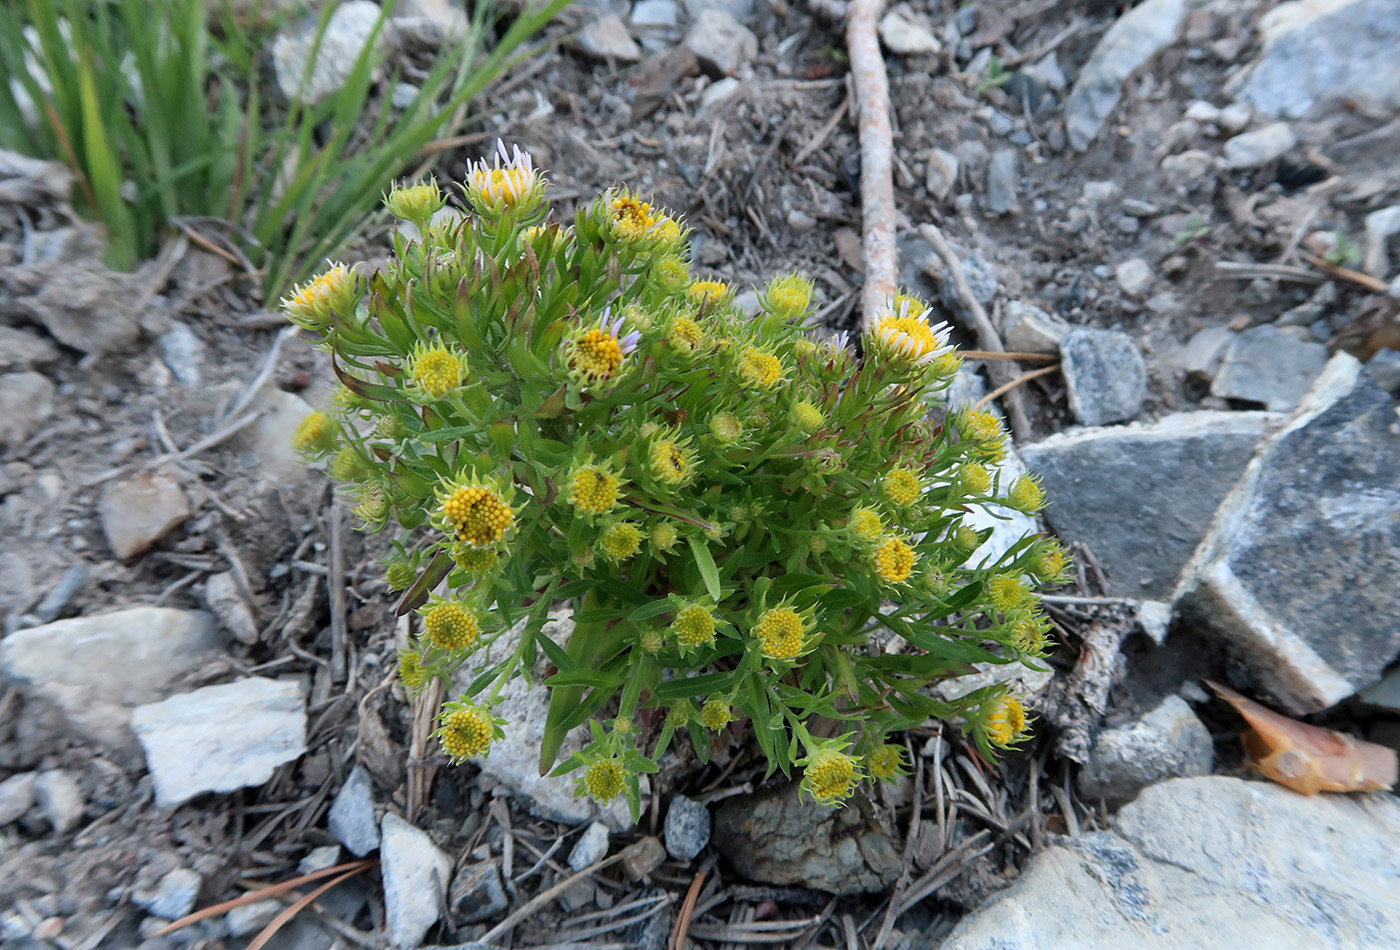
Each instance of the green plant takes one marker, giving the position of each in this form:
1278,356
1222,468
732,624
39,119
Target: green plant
1344,251
1195,228
161,118
741,516
995,77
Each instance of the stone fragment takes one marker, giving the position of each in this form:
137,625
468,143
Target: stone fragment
59,798
270,437
591,847
1297,574
319,859
721,90
81,303
1235,117
226,601
183,353
251,918
777,837
16,797
352,820
741,10
1024,682
138,512
1001,182
1266,365
1141,496
606,38
1154,617
429,23
1380,226
22,350
478,893
905,36
415,873
1132,41
347,32
1105,375
721,44
173,896
1201,111
1192,170
1028,329
1134,277
687,828
641,857
941,173
1384,368
1209,862
1204,353
26,403
1168,742
1322,55
980,273
1252,149
1048,73
220,738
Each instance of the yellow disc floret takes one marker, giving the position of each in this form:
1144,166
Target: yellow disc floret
901,487
411,672
901,331
726,427
597,354
593,489
830,777
807,417
1006,722
694,626
473,560
1026,495
315,303
621,541
708,292
789,296
980,426
885,762
436,370
894,561
630,217
451,626
1006,593
604,780
466,733
684,334
476,515
669,462
780,631
716,714
976,479
664,537
315,435
865,524
758,370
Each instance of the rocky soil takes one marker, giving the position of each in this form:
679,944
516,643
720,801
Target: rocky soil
1191,207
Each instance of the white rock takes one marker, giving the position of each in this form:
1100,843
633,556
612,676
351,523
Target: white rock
326,856
1235,117
1025,683
183,352
352,820
438,21
253,917
227,603
1202,111
1048,73
591,848
721,90
657,23
16,797
1155,617
220,738
905,37
1168,742
415,873
942,173
59,798
349,29
1380,226
173,897
1203,353
271,435
26,402
1192,170
138,512
1028,329
721,43
606,38
1008,526
1134,276
1259,147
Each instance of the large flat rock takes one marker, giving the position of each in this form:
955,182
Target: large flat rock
1141,496
1210,862
1300,572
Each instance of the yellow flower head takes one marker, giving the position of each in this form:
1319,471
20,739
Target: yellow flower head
348,465
474,513
788,296
807,417
894,561
979,425
966,538
716,714
315,435
900,332
684,334
664,537
1026,495
1050,563
670,273
780,631
473,560
593,489
831,776
466,732
1029,634
510,182
436,370
694,626
885,762
315,303
630,219
976,478
708,293
670,462
411,672
865,524
901,487
1006,722
668,231
595,356
726,427
416,203
451,626
604,780
651,642
621,541
1006,593
758,370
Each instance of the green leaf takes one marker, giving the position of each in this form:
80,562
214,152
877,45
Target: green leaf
706,563
590,678
692,686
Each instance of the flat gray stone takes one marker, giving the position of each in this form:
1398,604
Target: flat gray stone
220,738
478,893
226,601
352,820
1001,182
687,828
941,173
173,896
1130,43
606,38
1266,365
1384,368
1260,147
1028,329
1141,496
1209,862
1204,352
591,847
906,37
1298,574
775,837
721,43
26,403
1134,277
59,798
22,350
1168,742
346,34
16,797
271,435
1320,54
138,512
1105,375
416,873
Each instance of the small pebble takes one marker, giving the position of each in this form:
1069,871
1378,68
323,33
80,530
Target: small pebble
591,848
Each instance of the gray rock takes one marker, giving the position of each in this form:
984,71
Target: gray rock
687,828
907,37
253,917
1384,368
591,847
1204,353
1104,374
173,897
270,437
1048,73
941,173
352,820
416,873
1319,56
16,797
80,303
138,512
22,350
1001,182
1134,277
59,798
721,90
1380,226
1202,111
183,353
1266,365
26,403
1168,742
776,837
1260,147
478,893
430,23
1209,862
1141,497
1154,617
741,10
220,738
1137,37
350,27
1191,171
1026,684
319,859
981,277
1383,695
721,43
642,857
606,38
1297,575
657,23
1235,117
226,601
1028,329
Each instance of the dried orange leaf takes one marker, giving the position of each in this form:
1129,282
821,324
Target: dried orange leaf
1306,758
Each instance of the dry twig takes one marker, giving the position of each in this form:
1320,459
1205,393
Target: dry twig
876,150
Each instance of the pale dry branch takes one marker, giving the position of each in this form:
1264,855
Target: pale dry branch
876,156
